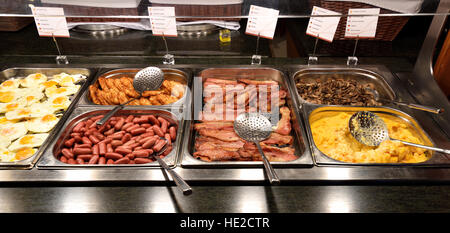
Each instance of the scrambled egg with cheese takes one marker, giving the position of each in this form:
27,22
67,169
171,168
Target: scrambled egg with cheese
332,136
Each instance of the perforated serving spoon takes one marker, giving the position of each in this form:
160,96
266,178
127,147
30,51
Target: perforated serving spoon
369,129
409,105
148,79
255,128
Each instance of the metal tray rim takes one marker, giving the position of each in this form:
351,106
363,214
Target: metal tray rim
29,163
304,160
317,154
48,160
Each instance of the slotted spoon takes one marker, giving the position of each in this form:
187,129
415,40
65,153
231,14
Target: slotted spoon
255,128
369,129
148,79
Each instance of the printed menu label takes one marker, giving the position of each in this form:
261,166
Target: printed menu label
162,21
50,21
323,27
262,21
362,26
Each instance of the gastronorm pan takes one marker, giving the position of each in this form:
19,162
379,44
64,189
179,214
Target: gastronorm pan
362,76
169,73
311,111
299,136
49,160
22,73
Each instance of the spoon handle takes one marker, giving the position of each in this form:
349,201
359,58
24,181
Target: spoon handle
112,112
418,107
273,177
181,184
423,146
426,108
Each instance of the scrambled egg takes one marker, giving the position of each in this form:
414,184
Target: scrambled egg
332,136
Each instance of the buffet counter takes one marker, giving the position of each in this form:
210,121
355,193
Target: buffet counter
311,183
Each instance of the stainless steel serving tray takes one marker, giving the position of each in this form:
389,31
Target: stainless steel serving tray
437,159
299,135
22,73
49,160
174,74
362,75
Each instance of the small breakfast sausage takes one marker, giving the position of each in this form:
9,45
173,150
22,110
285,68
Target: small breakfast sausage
130,156
158,130
102,148
80,151
146,125
137,131
126,137
168,138
78,127
123,150
123,160
116,143
63,159
109,132
149,143
71,161
142,160
129,142
96,149
94,139
164,126
173,133
86,140
129,118
141,153
84,157
126,126
113,155
78,139
109,148
159,145
97,117
99,136
150,131
153,120
101,160
110,161
69,142
140,120
80,161
119,124
129,129
94,159
67,153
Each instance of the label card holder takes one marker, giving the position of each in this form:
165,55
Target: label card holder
360,27
163,23
51,22
322,28
261,22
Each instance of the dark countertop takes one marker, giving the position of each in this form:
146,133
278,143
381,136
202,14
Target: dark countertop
302,197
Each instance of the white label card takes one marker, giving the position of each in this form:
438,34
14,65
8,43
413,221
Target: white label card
362,26
162,21
50,21
262,21
323,27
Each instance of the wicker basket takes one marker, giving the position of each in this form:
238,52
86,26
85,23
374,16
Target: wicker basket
96,11
208,11
388,26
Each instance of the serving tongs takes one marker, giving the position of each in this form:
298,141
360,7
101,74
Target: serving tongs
180,182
